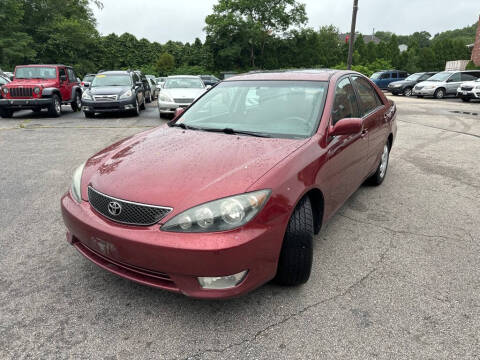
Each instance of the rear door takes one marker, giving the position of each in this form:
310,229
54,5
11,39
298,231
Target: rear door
72,81
453,82
375,123
384,80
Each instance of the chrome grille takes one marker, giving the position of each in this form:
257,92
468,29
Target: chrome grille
105,98
183,101
21,92
131,213
467,88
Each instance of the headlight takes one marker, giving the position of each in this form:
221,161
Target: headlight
219,215
165,97
477,87
76,181
5,90
86,96
36,90
126,95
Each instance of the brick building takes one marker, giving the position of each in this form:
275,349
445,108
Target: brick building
476,47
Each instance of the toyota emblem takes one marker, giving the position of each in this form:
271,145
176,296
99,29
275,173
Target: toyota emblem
114,208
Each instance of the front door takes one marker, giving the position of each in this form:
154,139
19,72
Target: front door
453,83
345,169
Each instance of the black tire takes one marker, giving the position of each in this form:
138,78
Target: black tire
142,106
37,111
149,97
394,93
55,109
439,93
295,261
136,111
466,99
407,91
381,172
420,96
77,103
89,114
7,114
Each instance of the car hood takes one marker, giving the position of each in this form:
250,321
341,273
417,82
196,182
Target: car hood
183,93
33,82
182,168
471,83
401,82
109,90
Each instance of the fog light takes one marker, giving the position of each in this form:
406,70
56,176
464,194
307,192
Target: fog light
128,106
222,282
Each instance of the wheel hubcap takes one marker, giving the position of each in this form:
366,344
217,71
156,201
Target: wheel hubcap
57,106
408,92
384,162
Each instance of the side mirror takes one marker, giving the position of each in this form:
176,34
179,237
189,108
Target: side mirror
347,126
208,87
86,85
138,83
179,111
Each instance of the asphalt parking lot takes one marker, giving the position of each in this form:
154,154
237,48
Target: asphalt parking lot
396,271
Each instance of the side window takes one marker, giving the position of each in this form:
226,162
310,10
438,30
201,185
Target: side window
468,77
135,78
385,76
61,72
425,77
368,97
394,75
345,103
403,74
455,78
71,75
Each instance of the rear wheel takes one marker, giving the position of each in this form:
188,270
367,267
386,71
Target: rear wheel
55,109
439,93
77,103
295,262
407,91
379,175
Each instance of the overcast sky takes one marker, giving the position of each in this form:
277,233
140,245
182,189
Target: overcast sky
184,20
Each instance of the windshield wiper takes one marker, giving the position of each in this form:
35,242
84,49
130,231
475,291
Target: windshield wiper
183,126
231,131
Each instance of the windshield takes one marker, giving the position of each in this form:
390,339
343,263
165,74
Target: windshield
181,83
35,72
111,80
88,78
376,75
414,77
275,108
440,76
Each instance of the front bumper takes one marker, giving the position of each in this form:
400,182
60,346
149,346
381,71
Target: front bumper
471,94
20,104
169,107
395,90
108,106
423,91
173,261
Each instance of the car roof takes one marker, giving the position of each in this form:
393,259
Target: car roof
303,74
114,72
56,65
185,76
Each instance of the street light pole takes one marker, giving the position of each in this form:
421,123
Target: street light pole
352,34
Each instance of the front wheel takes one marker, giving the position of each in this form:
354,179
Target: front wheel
439,94
7,114
465,99
407,92
55,109
296,256
77,103
89,114
379,175
136,111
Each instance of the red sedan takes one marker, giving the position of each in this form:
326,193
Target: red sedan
229,195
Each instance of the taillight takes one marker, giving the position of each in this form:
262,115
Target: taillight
82,83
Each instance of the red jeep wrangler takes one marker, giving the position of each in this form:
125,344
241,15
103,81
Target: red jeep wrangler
37,87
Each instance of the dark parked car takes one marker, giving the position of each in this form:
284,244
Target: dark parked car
385,77
209,79
87,79
146,86
114,91
230,194
406,86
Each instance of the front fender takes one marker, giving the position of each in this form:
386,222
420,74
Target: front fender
48,92
75,88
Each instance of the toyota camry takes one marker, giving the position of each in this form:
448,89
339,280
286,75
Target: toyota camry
229,194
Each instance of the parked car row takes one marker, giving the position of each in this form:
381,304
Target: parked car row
462,84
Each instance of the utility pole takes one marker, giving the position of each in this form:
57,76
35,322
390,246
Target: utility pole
352,34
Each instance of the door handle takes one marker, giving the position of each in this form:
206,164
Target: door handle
364,133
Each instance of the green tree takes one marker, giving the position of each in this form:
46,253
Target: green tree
256,20
165,64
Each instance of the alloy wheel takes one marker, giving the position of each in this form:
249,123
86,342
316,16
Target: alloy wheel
384,161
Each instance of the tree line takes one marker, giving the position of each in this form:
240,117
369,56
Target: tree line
241,35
